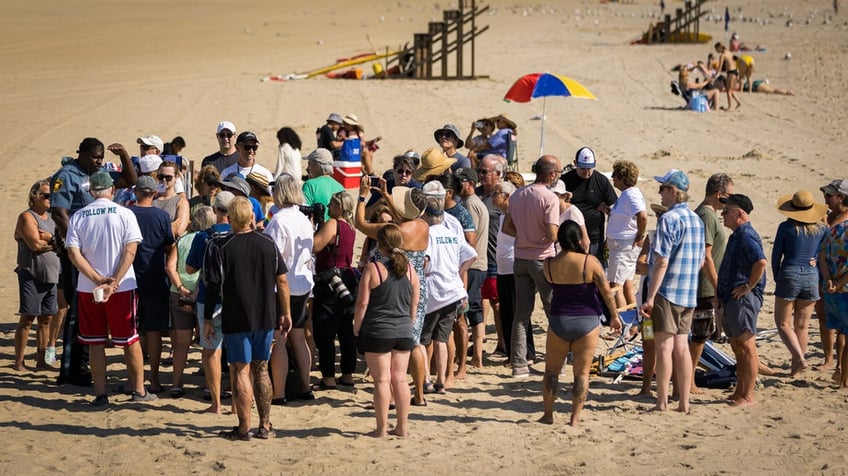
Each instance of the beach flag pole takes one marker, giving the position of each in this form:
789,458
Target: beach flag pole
542,139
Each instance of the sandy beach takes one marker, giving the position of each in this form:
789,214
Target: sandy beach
118,70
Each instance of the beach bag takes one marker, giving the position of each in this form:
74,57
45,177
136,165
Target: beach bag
698,103
721,378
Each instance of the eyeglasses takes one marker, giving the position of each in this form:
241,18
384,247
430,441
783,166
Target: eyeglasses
486,172
558,172
253,147
44,196
403,171
728,210
166,178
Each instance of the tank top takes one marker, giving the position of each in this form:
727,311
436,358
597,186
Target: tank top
169,206
339,253
387,316
574,299
44,266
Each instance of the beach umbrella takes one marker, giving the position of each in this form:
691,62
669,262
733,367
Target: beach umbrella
542,85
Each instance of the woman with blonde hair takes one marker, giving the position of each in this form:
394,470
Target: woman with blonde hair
332,309
170,201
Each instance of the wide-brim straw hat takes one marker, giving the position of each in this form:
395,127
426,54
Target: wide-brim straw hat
801,207
658,209
433,162
259,180
402,198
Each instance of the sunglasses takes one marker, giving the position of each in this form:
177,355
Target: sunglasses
403,171
211,182
166,178
225,135
44,196
253,147
146,147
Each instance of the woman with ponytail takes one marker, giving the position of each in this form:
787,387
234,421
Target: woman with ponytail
385,309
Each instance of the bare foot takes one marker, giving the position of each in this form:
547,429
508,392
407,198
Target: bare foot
398,433
546,419
213,409
460,374
827,366
695,390
449,382
837,376
377,434
738,105
742,403
656,409
19,367
798,369
476,364
765,370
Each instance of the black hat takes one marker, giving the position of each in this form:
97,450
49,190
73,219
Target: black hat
740,201
246,136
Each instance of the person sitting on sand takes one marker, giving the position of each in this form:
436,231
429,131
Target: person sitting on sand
386,307
687,85
793,264
574,321
727,65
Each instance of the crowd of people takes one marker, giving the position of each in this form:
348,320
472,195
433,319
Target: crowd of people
259,269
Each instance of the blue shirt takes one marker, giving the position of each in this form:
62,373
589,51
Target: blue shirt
794,247
461,162
198,249
149,262
680,239
460,213
498,143
744,248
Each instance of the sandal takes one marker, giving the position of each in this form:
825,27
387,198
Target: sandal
264,434
234,435
412,402
177,392
440,389
429,388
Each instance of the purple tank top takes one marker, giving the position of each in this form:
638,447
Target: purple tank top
575,299
339,253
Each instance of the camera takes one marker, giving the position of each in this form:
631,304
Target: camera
314,212
478,124
338,286
375,182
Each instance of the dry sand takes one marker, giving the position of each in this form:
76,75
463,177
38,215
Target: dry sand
117,70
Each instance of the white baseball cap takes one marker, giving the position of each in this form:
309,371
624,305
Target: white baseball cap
226,125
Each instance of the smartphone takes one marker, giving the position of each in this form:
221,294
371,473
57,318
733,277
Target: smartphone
478,124
375,182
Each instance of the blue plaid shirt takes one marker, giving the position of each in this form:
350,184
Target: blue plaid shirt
680,239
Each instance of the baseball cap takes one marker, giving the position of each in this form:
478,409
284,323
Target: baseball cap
585,158
433,188
674,178
149,163
246,136
558,188
222,200
466,174
335,117
226,125
321,155
836,187
153,141
100,180
738,200
146,182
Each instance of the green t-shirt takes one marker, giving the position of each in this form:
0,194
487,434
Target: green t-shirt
713,236
321,190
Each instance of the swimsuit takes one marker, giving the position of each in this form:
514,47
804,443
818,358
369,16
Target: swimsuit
575,309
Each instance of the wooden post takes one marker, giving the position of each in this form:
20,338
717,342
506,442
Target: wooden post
438,29
421,55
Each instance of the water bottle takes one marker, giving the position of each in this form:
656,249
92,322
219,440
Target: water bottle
648,329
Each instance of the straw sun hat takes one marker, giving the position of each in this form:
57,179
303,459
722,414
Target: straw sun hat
801,207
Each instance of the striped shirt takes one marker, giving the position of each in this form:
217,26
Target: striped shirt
680,239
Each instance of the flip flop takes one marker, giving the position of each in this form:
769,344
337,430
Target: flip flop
412,402
234,435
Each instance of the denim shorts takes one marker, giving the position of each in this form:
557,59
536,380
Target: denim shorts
797,282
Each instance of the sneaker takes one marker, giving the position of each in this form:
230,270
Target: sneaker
101,401
50,356
147,397
521,372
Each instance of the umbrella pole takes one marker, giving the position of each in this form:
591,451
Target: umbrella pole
542,139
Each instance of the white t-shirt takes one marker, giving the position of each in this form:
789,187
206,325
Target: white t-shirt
622,217
292,233
245,171
447,251
100,230
574,214
288,161
505,252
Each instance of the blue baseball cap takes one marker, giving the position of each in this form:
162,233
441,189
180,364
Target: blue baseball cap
674,178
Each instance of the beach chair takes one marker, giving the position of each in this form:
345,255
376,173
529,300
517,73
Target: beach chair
629,317
512,152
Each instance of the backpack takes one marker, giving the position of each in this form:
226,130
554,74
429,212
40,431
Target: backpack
212,271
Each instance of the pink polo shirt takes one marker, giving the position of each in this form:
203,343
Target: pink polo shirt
532,209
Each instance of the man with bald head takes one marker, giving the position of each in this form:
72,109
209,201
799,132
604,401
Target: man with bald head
533,219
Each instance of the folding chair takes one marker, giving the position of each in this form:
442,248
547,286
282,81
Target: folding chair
678,91
629,317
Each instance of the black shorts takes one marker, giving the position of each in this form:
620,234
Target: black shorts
299,316
154,313
377,345
438,324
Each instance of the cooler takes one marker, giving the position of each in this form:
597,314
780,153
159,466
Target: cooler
347,173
